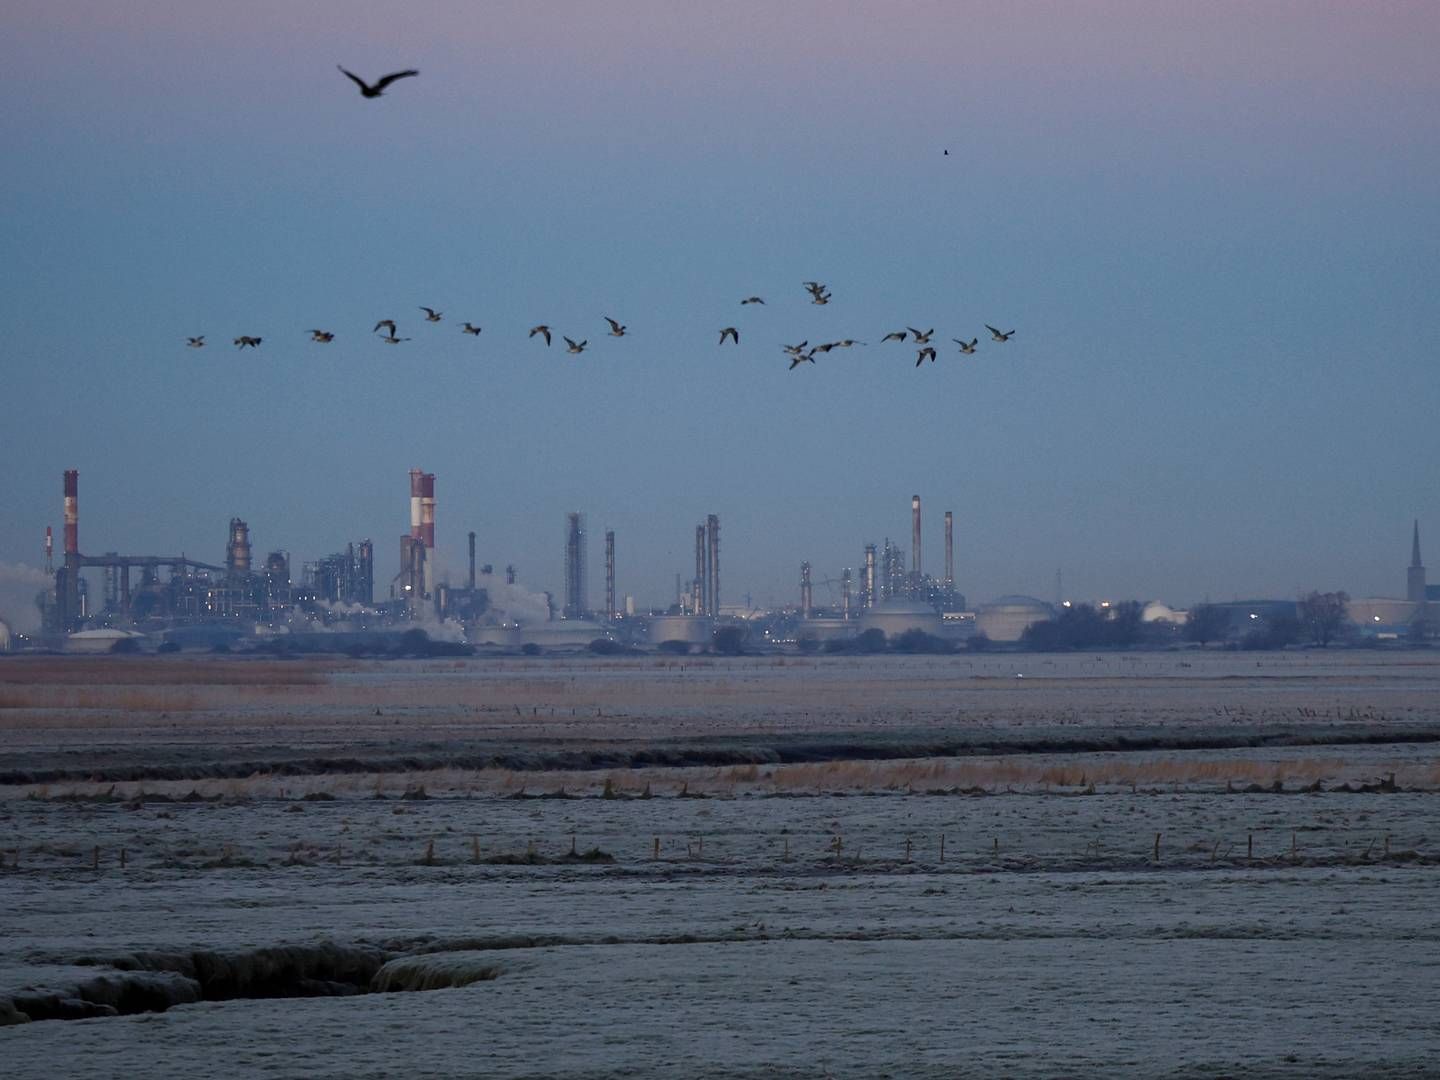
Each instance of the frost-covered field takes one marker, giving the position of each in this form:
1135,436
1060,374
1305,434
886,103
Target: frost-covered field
1242,884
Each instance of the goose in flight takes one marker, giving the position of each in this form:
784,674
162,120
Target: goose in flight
575,346
898,335
927,353
431,315
966,346
391,339
795,350
922,339
196,342
847,343
470,328
388,324
997,335
242,341
751,300
324,337
616,330
542,330
796,359
731,333
369,91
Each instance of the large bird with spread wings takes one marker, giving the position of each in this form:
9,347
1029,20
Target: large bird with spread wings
378,87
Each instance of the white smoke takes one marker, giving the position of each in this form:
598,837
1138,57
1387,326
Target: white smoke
19,586
513,603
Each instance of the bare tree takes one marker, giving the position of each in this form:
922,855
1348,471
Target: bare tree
1207,622
1323,615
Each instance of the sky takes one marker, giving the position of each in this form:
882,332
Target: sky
1212,227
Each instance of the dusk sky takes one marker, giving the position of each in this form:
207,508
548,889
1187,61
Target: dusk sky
1213,226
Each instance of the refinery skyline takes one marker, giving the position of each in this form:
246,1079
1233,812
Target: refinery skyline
421,566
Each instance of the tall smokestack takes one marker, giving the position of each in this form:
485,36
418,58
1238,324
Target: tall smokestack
427,511
869,581
67,580
575,566
472,560
610,611
700,572
845,594
949,550
49,551
805,594
712,559
416,485
237,551
916,567
72,511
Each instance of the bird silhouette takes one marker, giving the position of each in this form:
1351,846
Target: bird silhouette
431,315
966,346
242,341
388,324
616,330
922,339
391,339
543,330
751,300
324,337
795,350
927,353
797,359
470,328
898,335
369,91
196,342
731,333
997,335
575,346
848,342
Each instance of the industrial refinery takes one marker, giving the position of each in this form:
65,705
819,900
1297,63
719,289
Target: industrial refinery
173,601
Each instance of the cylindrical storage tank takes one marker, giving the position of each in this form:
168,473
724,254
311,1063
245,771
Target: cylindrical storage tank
691,629
506,635
896,617
1007,618
825,629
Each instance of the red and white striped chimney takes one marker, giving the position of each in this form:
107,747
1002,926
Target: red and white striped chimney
427,510
72,511
416,483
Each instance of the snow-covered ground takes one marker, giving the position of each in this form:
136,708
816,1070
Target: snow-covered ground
797,920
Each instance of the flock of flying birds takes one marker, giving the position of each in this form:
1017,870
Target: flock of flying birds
798,354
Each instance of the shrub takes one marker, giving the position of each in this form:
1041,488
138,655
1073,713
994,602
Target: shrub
916,640
530,649
674,648
605,647
871,641
730,640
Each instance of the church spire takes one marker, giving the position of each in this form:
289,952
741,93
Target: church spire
1415,576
